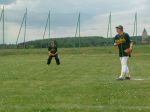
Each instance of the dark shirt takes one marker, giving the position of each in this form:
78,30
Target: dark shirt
52,50
124,41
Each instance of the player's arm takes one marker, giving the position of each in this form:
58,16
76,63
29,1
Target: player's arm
131,42
115,42
56,51
129,50
131,45
49,52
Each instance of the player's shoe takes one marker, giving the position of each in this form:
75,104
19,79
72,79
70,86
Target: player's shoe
127,78
120,79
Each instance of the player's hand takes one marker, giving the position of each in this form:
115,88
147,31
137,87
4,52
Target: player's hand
128,51
118,43
52,54
115,44
56,54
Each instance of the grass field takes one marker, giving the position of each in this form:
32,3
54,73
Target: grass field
84,82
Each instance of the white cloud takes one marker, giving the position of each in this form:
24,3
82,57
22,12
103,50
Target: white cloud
94,16
7,2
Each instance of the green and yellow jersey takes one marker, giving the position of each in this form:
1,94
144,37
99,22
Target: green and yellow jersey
52,50
123,41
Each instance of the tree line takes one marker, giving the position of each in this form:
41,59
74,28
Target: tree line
70,42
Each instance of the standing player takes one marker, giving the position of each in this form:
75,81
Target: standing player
122,40
52,51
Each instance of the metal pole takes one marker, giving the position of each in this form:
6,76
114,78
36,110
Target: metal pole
3,27
76,32
110,25
45,30
20,29
49,24
136,28
25,28
1,16
109,29
79,30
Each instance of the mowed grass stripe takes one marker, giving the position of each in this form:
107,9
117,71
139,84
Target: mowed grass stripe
83,82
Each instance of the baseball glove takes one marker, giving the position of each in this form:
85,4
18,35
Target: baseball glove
128,51
52,54
118,43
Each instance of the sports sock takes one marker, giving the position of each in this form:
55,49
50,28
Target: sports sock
122,75
127,74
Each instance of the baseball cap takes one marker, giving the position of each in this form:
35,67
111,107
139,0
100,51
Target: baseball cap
119,27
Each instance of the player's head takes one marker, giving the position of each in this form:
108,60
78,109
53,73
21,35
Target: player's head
119,29
53,43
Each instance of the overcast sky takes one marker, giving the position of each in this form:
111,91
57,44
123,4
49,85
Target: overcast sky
64,13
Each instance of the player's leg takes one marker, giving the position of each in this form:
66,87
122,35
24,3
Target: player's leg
57,60
49,60
124,67
127,74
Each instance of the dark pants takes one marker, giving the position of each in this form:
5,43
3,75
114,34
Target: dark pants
56,59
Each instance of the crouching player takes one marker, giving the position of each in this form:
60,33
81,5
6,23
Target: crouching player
122,40
53,53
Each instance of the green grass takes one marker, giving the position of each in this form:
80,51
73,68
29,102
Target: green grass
84,82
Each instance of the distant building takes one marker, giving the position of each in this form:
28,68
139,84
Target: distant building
144,37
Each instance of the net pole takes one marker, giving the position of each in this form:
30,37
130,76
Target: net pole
3,26
136,28
110,25
45,31
76,32
79,30
25,28
49,25
20,29
1,15
109,29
